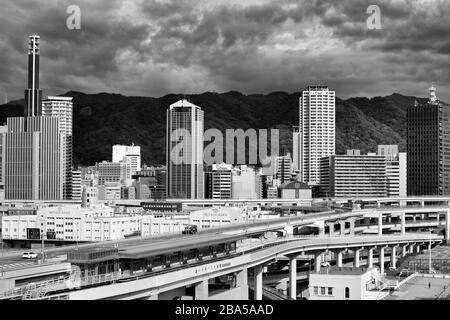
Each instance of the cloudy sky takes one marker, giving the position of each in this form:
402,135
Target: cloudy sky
155,47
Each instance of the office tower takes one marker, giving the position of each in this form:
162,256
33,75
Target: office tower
283,168
3,131
243,183
296,151
353,175
428,147
317,130
33,96
33,166
76,185
130,154
219,181
116,172
395,170
184,152
62,108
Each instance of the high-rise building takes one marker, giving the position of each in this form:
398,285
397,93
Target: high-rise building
296,151
76,185
129,154
33,163
219,181
62,108
283,168
33,96
428,147
396,183
3,131
244,183
353,175
317,131
184,152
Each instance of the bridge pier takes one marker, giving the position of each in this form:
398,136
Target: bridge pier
340,253
418,248
342,228
447,228
414,218
352,226
380,224
403,218
258,272
242,281
357,258
293,277
317,261
201,290
404,249
370,257
394,257
381,260
411,248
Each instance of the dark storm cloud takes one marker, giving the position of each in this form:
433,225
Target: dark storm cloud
155,47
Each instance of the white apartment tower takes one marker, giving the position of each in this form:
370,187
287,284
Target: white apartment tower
128,154
317,131
62,108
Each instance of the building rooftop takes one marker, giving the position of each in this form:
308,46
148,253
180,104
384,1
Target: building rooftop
344,271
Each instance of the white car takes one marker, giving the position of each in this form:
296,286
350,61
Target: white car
29,255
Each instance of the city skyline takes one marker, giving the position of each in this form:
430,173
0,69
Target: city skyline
256,47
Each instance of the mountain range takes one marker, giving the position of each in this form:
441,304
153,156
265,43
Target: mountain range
102,120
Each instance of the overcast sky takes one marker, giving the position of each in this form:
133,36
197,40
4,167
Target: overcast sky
151,48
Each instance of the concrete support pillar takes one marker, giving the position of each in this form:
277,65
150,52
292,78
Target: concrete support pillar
339,258
201,290
414,218
289,230
352,227
317,262
242,281
293,277
418,248
422,203
321,232
404,250
447,227
403,224
370,258
380,224
258,273
382,260
394,257
438,218
357,258
411,248
342,228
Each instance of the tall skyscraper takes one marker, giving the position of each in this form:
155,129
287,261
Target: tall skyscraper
62,108
130,154
33,166
283,168
33,96
3,131
428,147
184,153
317,130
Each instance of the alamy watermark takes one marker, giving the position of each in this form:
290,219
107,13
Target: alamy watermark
374,20
185,149
73,21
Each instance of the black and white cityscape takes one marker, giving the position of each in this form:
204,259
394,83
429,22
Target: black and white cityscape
225,150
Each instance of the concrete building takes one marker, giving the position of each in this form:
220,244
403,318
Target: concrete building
76,185
345,284
128,154
117,172
396,170
62,108
353,176
110,191
71,223
218,181
283,168
33,159
428,147
185,177
243,181
317,130
295,190
296,152
89,196
128,193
